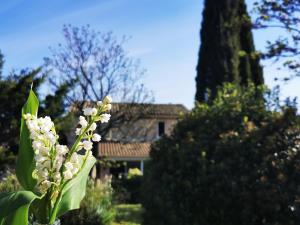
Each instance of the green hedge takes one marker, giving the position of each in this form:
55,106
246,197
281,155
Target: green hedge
128,190
230,162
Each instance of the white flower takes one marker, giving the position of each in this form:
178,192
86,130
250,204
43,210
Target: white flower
40,158
32,125
79,146
68,175
42,174
35,135
107,100
89,111
75,170
43,151
108,107
82,121
45,129
74,158
68,165
57,177
62,149
37,145
94,111
99,103
27,116
48,121
78,131
58,162
104,118
51,137
47,164
93,127
96,137
87,145
45,185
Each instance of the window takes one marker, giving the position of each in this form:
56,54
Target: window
161,129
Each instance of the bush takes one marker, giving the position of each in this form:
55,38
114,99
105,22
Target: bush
134,172
230,162
7,161
96,208
9,183
128,189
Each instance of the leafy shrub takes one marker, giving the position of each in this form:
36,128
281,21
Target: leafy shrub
133,172
96,208
128,189
230,162
7,160
9,183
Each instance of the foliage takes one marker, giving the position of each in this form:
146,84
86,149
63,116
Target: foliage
121,194
15,86
128,189
232,162
128,214
278,16
96,208
41,157
133,172
9,183
1,63
227,52
7,160
15,207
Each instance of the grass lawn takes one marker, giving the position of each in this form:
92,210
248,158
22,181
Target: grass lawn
128,214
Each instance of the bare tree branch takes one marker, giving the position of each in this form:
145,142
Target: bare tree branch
96,64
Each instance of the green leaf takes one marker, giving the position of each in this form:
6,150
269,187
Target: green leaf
25,161
74,191
14,207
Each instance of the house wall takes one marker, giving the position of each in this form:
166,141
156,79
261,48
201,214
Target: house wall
143,130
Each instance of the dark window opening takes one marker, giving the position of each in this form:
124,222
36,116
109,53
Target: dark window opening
161,129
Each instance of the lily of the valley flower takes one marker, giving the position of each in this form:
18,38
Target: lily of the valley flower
55,163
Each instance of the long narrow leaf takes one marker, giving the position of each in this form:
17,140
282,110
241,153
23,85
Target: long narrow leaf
25,161
14,207
74,191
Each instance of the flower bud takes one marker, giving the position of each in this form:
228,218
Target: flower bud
96,137
93,127
89,111
68,175
107,100
87,145
104,118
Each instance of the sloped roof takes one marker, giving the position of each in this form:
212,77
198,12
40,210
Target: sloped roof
151,110
145,109
124,150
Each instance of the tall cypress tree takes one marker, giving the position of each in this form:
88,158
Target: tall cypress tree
227,52
1,63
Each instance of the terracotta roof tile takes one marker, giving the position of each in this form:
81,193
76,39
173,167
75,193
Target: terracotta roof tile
124,150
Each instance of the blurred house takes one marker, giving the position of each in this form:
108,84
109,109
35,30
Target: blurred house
128,146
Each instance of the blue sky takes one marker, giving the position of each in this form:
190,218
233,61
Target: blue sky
165,36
